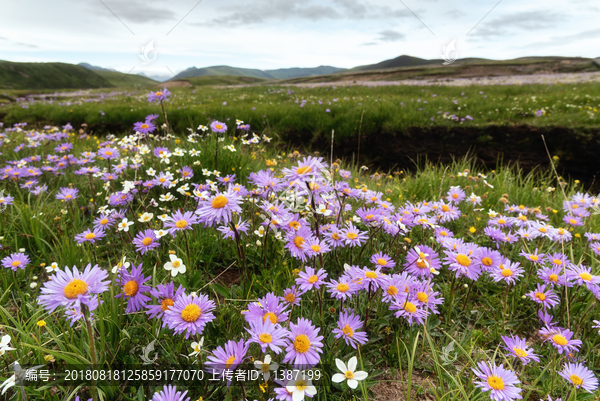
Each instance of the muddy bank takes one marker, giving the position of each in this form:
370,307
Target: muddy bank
578,151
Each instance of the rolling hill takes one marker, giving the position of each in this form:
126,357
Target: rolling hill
282,73
116,78
48,76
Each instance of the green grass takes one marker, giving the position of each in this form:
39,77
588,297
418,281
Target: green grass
221,80
121,80
48,76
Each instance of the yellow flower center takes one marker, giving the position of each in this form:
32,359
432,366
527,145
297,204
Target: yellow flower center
392,290
520,353
295,225
421,264
496,382
159,93
445,208
342,287
302,343
265,338
506,272
74,288
422,297
146,241
553,277
271,316
130,288
535,258
352,235
162,179
335,236
301,385
347,330
349,375
585,276
229,361
576,380
166,304
299,241
144,126
560,340
104,222
219,202
369,216
540,295
191,313
316,248
290,297
176,264
108,153
181,224
303,170
443,233
410,307
371,274
487,261
557,262
16,263
313,279
265,367
68,196
463,260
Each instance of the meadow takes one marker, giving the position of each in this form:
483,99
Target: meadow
145,254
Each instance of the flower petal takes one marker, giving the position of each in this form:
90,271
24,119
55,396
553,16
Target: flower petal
352,364
340,365
338,378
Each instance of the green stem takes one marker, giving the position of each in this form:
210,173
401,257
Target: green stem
88,325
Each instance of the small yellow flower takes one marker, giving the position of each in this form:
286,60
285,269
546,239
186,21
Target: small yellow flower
42,264
554,211
295,272
472,230
49,358
171,252
41,323
577,235
407,240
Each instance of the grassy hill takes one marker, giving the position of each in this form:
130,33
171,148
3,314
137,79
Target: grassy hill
48,76
281,73
116,78
209,80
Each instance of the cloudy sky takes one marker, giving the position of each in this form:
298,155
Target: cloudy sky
269,34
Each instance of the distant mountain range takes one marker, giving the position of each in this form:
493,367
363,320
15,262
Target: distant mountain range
84,75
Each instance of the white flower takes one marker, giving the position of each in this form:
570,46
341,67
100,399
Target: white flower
123,264
124,225
4,345
300,386
52,268
194,152
266,366
166,198
260,232
179,152
21,249
322,209
175,265
151,172
197,347
160,233
164,158
349,373
32,285
146,217
202,128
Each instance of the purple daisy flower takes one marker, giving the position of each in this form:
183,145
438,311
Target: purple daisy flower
145,127
227,358
90,236
488,258
269,308
145,241
186,172
456,195
353,236
268,335
508,272
218,127
424,294
409,309
582,275
501,383
71,288
349,325
517,347
547,298
132,287
165,294
190,314
305,344
170,393
464,262
108,153
296,242
159,96
16,261
219,208
561,339
382,260
342,289
67,194
179,222
420,260
310,279
580,376
292,295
